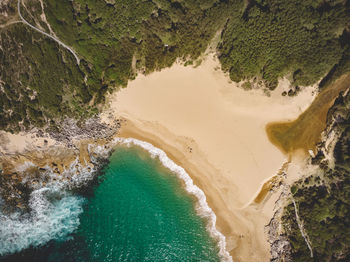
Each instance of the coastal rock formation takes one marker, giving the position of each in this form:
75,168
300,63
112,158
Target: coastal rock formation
60,61
71,156
322,198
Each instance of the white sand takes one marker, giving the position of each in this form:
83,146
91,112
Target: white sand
213,129
183,108
227,123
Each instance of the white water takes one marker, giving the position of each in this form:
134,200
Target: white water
203,209
55,213
54,216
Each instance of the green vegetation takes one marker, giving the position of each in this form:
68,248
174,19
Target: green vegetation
305,131
264,39
325,212
114,40
339,69
40,80
324,201
273,38
110,34
247,86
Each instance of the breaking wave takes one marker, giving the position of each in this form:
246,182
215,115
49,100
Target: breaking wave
203,208
55,212
54,215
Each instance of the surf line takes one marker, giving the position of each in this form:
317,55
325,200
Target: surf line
204,210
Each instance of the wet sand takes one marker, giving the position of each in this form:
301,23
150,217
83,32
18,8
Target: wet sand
216,131
304,132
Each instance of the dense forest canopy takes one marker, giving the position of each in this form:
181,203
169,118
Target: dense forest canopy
110,34
323,199
305,40
114,39
273,38
265,39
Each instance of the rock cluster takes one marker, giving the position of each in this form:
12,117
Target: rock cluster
67,162
280,246
92,128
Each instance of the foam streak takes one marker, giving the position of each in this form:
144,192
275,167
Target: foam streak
203,208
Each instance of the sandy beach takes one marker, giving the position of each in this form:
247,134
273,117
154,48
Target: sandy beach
18,143
216,131
209,126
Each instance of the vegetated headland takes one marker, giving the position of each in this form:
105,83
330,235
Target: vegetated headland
259,43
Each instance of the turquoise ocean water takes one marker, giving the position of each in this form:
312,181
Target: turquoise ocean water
136,211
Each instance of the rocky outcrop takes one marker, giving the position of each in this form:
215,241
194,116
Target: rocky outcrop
78,154
318,203
280,246
92,128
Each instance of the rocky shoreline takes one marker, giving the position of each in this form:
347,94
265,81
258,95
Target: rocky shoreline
329,174
72,161
80,150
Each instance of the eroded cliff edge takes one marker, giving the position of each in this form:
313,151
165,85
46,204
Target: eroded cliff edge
312,222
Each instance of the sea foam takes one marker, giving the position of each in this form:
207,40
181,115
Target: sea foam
54,215
203,209
55,212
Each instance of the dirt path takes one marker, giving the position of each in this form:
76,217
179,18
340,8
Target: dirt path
46,34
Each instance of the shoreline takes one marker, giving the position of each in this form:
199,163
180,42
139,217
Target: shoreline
205,124
242,227
219,230
203,209
216,132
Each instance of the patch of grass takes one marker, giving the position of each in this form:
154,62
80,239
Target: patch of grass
247,86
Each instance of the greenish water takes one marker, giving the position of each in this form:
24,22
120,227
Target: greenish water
137,211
